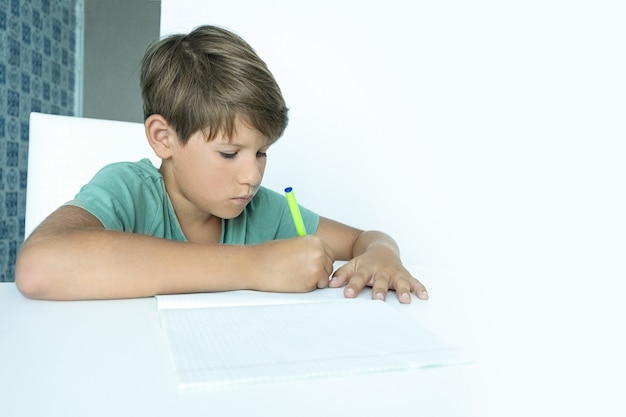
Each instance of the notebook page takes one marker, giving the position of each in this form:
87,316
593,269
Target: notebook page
218,346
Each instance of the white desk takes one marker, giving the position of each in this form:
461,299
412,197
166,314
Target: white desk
110,358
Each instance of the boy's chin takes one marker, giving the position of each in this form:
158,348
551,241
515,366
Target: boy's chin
231,214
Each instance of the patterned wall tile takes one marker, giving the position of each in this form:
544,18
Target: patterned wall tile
37,73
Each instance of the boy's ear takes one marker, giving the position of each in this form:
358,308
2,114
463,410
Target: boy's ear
160,135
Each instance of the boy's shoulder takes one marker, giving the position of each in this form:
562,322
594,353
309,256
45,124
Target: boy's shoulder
127,170
144,164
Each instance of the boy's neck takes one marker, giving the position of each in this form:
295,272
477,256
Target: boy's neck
207,232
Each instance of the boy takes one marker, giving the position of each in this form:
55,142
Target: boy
201,222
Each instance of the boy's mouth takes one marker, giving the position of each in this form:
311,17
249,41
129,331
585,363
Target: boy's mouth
243,199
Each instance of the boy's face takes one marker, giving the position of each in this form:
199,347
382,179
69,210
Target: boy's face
216,178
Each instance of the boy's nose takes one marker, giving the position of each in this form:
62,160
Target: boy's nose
251,174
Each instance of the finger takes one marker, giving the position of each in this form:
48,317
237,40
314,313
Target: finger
403,291
341,275
418,289
356,283
328,269
325,272
380,287
322,282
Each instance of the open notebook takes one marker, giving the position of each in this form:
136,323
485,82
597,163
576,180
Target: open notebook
238,337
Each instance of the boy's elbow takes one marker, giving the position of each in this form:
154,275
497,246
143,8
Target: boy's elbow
30,277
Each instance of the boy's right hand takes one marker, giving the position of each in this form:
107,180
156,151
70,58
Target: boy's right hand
299,264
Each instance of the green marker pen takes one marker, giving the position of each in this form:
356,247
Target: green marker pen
295,211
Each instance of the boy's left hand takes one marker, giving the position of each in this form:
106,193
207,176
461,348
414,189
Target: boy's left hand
381,269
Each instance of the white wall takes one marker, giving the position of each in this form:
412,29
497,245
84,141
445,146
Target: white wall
478,134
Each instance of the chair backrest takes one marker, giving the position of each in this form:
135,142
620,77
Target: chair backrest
64,153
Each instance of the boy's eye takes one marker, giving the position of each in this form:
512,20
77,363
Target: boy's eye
228,155
261,154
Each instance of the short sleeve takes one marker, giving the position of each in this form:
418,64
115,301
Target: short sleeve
130,197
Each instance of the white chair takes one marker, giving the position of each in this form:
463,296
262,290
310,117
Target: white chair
64,153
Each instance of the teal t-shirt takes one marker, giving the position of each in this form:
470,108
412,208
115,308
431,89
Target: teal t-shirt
131,197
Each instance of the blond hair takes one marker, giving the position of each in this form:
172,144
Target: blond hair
205,80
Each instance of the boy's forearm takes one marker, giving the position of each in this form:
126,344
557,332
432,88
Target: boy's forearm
102,264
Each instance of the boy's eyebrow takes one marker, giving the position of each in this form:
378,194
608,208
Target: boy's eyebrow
266,144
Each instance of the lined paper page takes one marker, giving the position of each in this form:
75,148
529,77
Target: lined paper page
243,343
